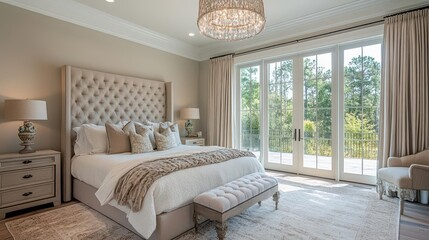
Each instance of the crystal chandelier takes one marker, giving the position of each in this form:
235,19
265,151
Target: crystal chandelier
231,19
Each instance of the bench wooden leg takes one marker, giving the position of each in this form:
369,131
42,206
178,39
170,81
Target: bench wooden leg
196,222
401,201
221,230
276,197
380,188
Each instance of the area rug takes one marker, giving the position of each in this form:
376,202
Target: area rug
76,221
313,208
309,208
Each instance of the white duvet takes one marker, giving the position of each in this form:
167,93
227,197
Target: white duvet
168,193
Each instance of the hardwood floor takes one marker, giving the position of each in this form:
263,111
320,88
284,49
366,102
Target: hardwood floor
414,224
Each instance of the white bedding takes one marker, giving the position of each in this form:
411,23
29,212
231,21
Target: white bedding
167,193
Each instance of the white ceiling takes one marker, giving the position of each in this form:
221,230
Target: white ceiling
165,24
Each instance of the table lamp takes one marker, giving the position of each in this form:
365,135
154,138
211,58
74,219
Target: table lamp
26,110
189,114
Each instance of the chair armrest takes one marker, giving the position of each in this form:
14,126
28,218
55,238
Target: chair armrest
419,175
394,162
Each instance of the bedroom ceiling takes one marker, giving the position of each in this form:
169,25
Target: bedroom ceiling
165,24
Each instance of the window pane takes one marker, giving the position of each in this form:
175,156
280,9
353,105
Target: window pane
280,102
362,74
317,111
250,109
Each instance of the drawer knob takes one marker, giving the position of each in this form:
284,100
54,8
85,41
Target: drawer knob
27,162
27,194
27,176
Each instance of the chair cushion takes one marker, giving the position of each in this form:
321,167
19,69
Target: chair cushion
225,197
396,175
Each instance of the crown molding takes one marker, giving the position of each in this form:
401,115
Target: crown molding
337,17
332,19
82,15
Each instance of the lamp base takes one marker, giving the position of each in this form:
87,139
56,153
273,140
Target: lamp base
26,133
188,127
27,149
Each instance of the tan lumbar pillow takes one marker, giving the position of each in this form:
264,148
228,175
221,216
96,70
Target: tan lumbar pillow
118,139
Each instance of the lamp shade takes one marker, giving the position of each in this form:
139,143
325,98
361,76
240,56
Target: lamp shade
25,109
190,113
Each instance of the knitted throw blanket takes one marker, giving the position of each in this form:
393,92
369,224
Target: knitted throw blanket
132,186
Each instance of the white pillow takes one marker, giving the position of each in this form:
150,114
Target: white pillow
175,129
90,139
81,145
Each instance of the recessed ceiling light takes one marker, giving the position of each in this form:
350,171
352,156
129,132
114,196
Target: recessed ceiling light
191,34
110,0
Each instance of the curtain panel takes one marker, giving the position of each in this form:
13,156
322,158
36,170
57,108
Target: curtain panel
404,110
219,128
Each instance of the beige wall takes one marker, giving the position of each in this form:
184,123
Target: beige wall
33,48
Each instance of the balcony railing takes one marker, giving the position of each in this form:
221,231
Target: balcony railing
356,145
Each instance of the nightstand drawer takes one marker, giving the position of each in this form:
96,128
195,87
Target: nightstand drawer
27,194
27,176
18,162
194,142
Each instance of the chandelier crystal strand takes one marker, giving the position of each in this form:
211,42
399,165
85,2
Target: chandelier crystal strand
231,19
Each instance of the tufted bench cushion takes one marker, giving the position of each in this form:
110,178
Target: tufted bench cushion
225,197
231,199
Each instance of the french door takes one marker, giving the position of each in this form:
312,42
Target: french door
360,73
293,106
299,105
314,114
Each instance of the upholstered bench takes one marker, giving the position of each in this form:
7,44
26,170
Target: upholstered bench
229,200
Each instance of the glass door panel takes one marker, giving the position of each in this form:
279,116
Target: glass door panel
280,112
250,109
317,112
362,77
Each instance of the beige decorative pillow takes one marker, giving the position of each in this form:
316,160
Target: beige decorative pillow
173,127
165,140
140,143
142,128
118,139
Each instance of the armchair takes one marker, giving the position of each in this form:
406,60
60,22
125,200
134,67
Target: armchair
405,175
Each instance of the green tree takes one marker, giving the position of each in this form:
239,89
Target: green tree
250,107
280,100
362,88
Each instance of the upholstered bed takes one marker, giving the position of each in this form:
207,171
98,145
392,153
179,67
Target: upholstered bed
92,97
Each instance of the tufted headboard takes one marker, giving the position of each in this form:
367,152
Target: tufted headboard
96,97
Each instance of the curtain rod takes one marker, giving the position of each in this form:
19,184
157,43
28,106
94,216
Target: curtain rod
411,10
317,36
314,36
300,40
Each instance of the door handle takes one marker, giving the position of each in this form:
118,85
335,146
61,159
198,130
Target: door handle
299,134
294,134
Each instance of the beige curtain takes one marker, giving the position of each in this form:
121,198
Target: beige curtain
219,128
404,112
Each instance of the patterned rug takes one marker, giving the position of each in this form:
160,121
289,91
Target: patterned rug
309,208
313,208
76,221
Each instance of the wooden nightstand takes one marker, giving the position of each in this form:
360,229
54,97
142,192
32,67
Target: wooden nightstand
28,180
194,141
